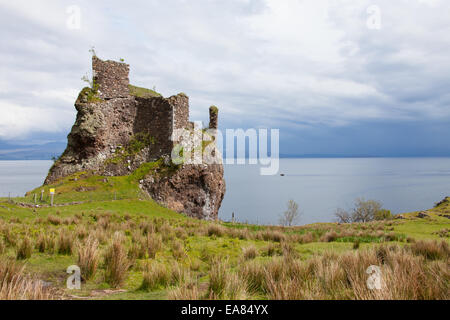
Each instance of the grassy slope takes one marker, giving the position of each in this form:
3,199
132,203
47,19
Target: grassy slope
97,194
143,92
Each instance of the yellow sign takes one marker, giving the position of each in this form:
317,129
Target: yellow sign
52,191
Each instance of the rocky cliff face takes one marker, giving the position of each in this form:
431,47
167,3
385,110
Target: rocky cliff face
119,128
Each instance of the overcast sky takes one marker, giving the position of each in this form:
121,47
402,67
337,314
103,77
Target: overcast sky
336,77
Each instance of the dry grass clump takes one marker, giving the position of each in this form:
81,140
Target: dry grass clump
223,284
181,233
250,252
253,274
185,292
270,250
432,250
154,244
65,242
2,246
329,236
56,221
155,275
158,275
9,236
306,238
41,243
218,279
166,231
25,249
271,235
178,251
333,276
81,232
116,262
138,249
215,230
88,257
14,285
241,234
288,250
147,227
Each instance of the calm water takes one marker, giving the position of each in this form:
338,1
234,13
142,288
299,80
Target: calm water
318,185
18,177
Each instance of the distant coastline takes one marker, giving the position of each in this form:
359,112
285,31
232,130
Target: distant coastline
11,152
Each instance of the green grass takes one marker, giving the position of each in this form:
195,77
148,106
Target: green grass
143,92
133,208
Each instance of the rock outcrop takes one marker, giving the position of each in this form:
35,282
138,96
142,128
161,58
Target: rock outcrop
119,128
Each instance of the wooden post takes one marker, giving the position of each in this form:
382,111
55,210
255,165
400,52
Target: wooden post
42,195
51,200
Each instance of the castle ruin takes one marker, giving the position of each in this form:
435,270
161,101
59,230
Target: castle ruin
114,116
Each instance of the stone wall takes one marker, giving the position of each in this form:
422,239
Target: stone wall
110,123
154,117
180,107
111,77
213,117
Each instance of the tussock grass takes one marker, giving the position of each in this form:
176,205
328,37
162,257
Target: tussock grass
155,276
432,250
151,252
250,252
15,285
66,242
25,249
117,263
88,257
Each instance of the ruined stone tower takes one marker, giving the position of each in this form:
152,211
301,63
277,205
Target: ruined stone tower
119,127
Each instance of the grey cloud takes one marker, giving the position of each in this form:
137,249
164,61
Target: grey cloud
289,64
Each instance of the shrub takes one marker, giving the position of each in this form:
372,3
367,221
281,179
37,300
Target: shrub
383,214
291,215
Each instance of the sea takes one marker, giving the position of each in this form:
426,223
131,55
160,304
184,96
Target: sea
319,186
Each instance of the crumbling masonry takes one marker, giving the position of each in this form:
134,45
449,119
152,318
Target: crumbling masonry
112,115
